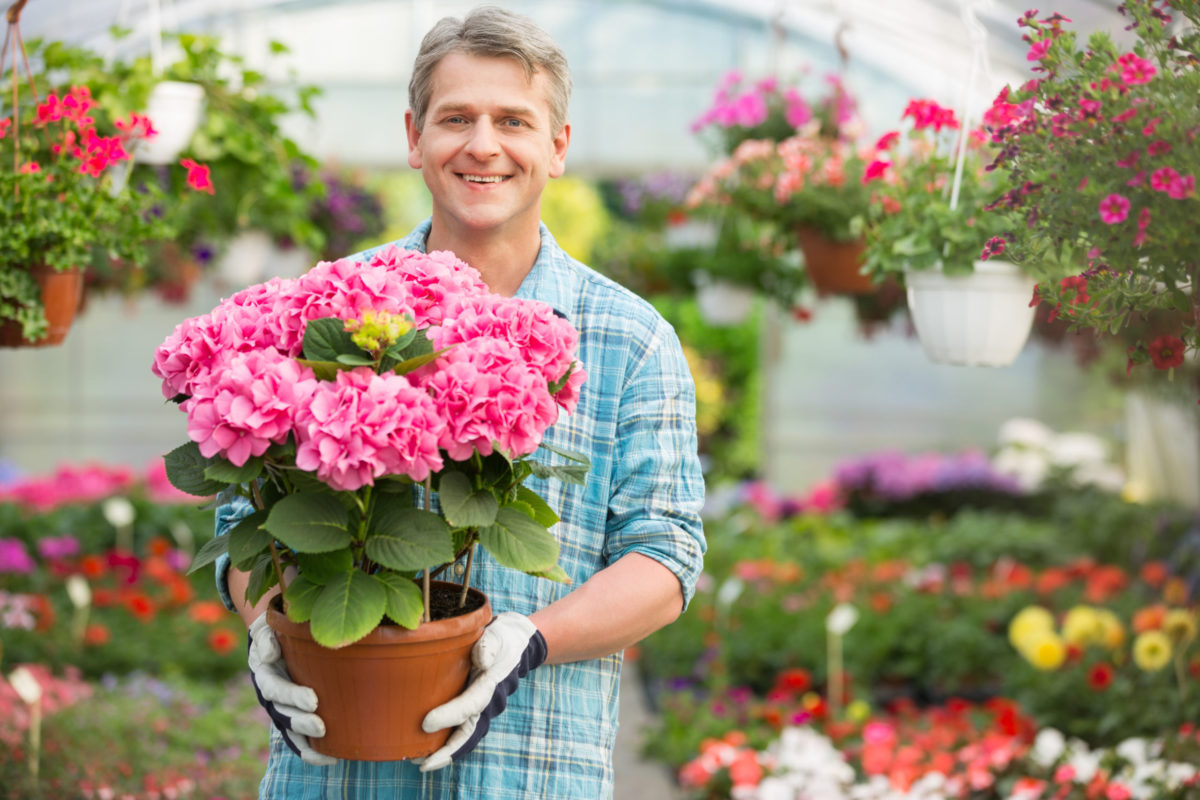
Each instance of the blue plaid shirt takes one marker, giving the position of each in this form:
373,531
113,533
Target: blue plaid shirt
636,420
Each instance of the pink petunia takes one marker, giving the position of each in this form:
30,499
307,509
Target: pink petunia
1038,50
1114,208
796,110
1158,148
197,176
1143,223
888,140
1182,186
1162,178
1136,70
875,170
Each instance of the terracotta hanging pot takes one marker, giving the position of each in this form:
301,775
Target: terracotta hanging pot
62,293
373,694
833,266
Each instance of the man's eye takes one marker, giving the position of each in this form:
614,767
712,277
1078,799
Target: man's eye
456,120
513,122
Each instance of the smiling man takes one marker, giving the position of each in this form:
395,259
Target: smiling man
487,127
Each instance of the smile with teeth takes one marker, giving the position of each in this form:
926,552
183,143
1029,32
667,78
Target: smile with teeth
484,178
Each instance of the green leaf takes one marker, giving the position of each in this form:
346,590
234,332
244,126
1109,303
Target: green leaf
325,339
557,385
262,578
567,474
543,514
463,506
355,360
212,550
518,542
571,455
323,567
409,364
556,574
185,471
406,538
310,523
324,370
405,604
348,608
219,469
301,594
247,539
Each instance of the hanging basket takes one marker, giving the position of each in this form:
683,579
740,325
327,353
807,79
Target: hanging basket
833,266
245,259
723,304
373,694
62,294
174,111
981,319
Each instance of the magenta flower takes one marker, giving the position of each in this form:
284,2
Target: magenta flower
1182,186
1143,223
56,548
796,109
14,557
750,109
1136,70
1114,209
1158,148
1162,178
1037,51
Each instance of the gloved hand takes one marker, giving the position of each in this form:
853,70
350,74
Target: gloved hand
510,647
289,705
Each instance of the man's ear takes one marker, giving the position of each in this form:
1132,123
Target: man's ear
558,161
414,140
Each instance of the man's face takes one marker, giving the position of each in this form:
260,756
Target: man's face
487,147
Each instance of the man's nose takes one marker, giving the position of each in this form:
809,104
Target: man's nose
483,143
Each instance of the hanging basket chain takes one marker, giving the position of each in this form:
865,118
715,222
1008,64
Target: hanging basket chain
12,34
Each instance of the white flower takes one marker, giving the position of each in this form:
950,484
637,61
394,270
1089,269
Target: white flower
1109,477
1027,467
730,590
1048,747
1024,432
1077,449
841,619
25,685
1084,762
79,591
1138,751
119,512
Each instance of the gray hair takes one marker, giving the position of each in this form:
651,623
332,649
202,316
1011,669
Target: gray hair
494,32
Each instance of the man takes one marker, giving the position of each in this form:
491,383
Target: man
487,128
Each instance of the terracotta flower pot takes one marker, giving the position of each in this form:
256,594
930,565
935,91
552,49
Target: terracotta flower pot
62,293
373,694
833,266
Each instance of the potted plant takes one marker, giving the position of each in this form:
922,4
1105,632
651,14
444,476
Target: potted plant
239,137
928,225
807,182
1101,152
342,403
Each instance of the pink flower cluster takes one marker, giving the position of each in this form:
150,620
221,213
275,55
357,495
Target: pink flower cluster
236,371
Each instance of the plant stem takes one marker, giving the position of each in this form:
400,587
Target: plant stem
258,501
462,598
278,569
425,575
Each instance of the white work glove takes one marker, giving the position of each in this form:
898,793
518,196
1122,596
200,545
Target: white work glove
289,705
510,647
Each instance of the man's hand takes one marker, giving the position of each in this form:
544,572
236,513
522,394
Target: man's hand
289,705
510,647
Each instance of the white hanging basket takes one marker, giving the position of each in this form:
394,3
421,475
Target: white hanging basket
174,110
981,319
724,304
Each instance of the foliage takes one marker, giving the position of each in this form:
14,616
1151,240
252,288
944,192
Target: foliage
63,195
924,214
240,139
337,393
574,211
348,214
141,737
1101,152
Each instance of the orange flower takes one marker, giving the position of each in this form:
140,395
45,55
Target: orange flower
1100,676
159,546
95,635
140,606
1149,618
796,679
1175,592
1103,582
206,612
92,566
43,610
158,569
1154,573
222,641
881,602
1052,579
181,591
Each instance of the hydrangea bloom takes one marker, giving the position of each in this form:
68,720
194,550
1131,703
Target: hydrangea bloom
243,388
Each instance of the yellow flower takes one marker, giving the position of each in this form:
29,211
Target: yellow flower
1028,622
710,394
858,711
1082,626
1112,631
1152,651
1045,650
1180,626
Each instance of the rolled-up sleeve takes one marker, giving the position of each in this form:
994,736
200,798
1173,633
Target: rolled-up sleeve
228,515
658,485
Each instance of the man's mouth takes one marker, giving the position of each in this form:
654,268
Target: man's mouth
484,178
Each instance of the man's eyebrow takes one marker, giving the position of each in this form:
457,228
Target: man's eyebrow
504,111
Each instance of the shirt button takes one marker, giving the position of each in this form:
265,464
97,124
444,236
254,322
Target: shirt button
459,569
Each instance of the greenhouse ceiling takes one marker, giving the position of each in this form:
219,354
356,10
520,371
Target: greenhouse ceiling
643,68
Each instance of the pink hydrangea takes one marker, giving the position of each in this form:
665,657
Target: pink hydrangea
342,289
545,341
364,426
490,398
433,280
247,403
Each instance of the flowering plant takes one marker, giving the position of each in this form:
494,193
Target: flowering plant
65,196
324,398
1101,152
764,110
924,214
